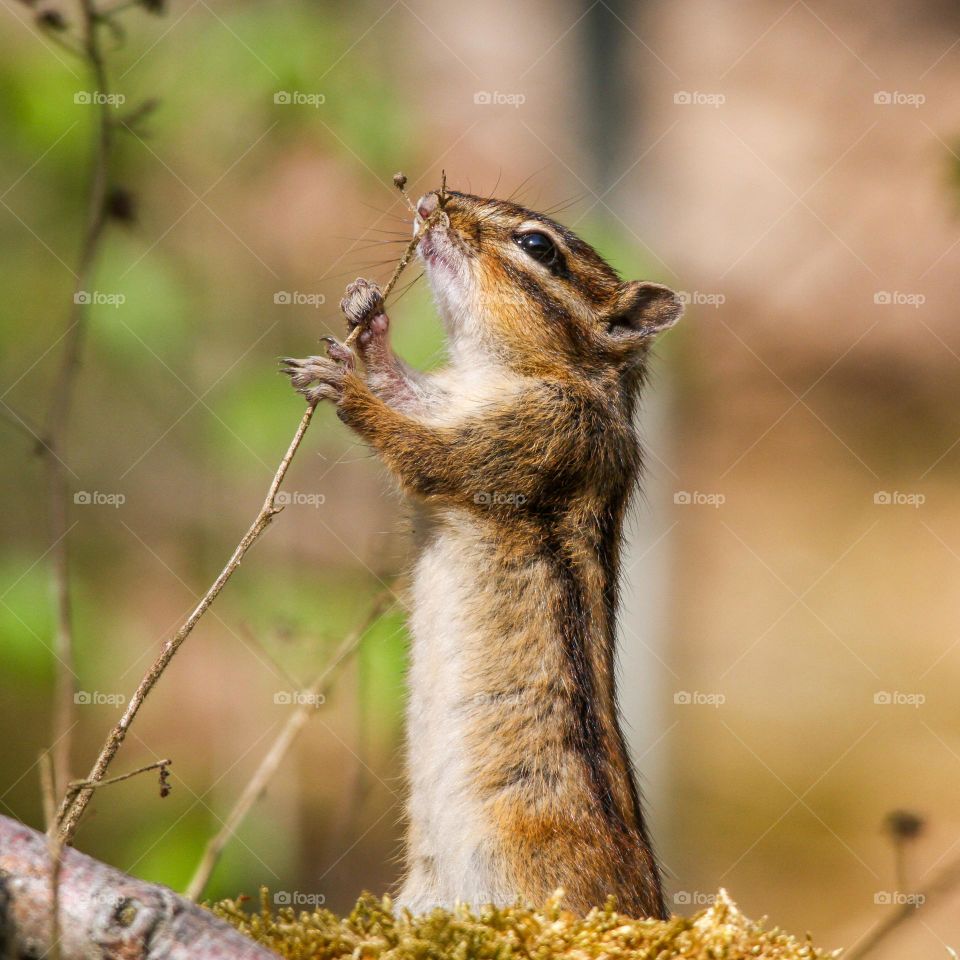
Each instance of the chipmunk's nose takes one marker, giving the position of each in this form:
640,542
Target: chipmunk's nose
427,204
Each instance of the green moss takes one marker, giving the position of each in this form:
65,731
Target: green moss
373,930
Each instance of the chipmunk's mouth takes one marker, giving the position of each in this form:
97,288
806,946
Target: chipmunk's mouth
437,245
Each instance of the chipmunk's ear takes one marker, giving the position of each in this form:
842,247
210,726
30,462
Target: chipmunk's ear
642,310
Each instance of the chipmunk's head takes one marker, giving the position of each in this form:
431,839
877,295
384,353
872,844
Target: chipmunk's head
517,284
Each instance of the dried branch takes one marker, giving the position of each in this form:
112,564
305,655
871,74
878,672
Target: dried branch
103,912
261,778
57,422
400,181
54,849
71,809
76,785
945,881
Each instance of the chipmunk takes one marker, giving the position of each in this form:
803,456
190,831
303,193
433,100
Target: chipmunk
520,456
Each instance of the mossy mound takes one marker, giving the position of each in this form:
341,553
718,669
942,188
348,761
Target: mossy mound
372,930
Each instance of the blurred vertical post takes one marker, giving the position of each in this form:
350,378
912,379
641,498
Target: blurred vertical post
612,132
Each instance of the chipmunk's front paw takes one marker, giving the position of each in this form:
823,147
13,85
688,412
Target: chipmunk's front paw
363,307
320,378
362,302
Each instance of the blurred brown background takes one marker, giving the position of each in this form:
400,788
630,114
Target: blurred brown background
791,649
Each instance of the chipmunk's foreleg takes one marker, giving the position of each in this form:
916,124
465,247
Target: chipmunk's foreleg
387,375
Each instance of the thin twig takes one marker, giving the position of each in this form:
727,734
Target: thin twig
947,879
76,785
71,809
281,746
399,182
57,424
54,848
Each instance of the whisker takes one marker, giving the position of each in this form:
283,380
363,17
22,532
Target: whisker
526,180
406,287
566,204
384,213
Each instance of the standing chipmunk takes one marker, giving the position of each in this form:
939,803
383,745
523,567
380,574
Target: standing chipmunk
520,457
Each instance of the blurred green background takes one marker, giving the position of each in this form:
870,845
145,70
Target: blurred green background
801,215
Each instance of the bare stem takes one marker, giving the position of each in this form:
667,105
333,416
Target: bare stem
410,249
76,785
58,415
54,849
281,746
947,879
71,808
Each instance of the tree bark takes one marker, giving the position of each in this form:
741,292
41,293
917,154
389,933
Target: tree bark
103,913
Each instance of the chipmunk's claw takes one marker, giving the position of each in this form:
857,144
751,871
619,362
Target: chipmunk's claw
338,351
316,378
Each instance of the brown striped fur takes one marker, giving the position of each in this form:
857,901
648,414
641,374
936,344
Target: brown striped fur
521,458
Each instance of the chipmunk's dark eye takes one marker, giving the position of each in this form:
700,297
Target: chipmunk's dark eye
540,247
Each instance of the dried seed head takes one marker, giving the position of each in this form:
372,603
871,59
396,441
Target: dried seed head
904,825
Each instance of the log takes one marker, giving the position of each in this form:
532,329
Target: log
103,912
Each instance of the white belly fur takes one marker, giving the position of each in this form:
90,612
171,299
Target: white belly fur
448,859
